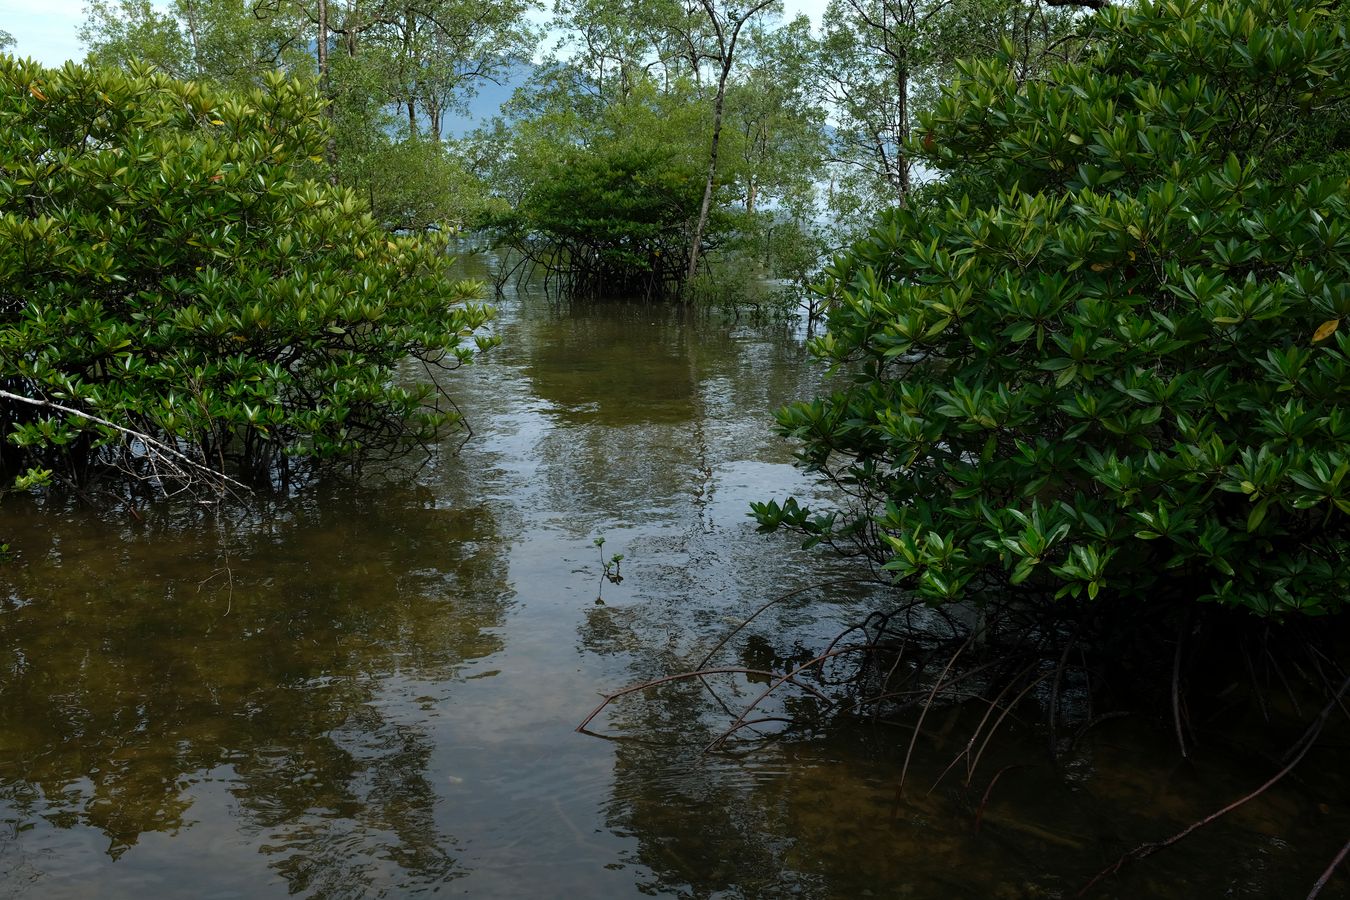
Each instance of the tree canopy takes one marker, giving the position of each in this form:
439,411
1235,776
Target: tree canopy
393,74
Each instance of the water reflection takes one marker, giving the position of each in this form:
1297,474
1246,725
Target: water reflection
610,364
813,816
274,669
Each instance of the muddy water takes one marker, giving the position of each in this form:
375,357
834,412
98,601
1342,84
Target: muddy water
370,689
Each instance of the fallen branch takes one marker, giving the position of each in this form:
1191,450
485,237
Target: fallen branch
1302,746
1326,875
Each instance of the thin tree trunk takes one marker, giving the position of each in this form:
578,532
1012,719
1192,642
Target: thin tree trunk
326,89
902,131
696,244
728,51
191,19
409,36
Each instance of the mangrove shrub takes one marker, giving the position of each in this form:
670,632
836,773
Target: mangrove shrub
1111,358
605,196
168,264
610,220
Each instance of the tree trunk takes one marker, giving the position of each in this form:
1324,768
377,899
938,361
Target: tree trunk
409,37
902,132
727,46
326,89
191,18
434,110
695,245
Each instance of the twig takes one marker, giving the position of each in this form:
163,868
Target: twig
781,680
991,704
781,597
1176,688
1326,875
1303,745
975,762
918,726
984,801
1054,697
733,670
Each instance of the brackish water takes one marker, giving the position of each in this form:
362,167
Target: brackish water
370,688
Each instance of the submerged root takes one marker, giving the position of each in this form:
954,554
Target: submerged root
1069,668
1299,750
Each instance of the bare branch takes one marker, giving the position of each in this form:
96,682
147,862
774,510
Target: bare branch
153,447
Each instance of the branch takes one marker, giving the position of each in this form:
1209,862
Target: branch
152,446
1302,746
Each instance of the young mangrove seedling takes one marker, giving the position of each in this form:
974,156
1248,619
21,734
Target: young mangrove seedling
610,569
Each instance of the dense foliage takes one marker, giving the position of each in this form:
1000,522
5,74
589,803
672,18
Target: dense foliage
1113,361
167,264
645,113
394,74
604,198
613,221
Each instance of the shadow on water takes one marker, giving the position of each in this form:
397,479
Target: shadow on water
370,689
814,812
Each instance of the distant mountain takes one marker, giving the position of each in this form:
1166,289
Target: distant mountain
488,101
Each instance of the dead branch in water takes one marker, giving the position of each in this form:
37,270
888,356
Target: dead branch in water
1326,875
1299,750
179,464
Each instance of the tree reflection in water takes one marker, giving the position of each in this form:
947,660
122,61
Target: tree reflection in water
168,676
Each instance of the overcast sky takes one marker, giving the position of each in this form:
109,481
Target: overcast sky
46,29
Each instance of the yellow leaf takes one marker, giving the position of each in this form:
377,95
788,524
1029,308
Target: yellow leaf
1325,330
1099,267
217,122
32,89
